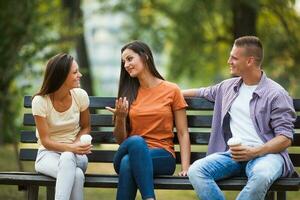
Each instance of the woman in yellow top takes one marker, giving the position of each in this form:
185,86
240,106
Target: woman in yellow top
144,113
61,114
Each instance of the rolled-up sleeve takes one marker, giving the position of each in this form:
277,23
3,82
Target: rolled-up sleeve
283,115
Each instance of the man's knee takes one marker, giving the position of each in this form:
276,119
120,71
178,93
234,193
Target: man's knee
262,178
196,171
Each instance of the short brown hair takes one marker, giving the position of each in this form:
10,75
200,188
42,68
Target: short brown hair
253,47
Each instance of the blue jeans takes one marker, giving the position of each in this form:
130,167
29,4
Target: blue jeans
261,173
136,165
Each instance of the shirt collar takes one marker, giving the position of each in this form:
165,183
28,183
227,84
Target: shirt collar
260,86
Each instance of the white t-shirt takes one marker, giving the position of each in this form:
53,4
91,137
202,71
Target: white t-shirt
63,126
241,124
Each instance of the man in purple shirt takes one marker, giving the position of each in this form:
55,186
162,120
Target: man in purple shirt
257,111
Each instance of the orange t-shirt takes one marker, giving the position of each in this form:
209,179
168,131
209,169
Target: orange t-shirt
151,114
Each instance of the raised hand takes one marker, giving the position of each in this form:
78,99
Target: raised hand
121,108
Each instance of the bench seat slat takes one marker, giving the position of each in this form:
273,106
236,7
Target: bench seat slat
160,182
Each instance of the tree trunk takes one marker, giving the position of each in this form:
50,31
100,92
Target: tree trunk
84,64
1,126
75,19
244,17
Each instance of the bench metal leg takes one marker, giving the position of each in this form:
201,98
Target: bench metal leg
50,192
270,196
281,195
33,192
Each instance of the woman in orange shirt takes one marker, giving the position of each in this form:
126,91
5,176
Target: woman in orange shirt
144,112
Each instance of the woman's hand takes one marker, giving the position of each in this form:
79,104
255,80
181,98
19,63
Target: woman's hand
80,148
182,173
121,108
119,119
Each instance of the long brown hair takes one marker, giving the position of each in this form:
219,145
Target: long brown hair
128,86
57,70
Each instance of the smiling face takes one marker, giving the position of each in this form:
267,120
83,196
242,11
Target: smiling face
132,62
238,61
73,78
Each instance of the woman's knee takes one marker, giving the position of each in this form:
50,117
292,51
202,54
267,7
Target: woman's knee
82,162
67,158
125,165
136,140
79,175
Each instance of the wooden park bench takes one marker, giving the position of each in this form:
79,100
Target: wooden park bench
199,122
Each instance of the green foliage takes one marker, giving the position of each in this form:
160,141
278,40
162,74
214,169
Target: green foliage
197,36
278,26
31,30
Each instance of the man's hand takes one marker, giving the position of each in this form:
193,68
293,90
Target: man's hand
244,153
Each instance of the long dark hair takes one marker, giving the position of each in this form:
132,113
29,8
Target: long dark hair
128,86
57,70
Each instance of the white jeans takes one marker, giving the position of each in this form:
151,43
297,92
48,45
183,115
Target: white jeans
68,169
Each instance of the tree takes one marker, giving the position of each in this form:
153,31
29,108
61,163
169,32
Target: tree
244,17
30,33
197,35
75,22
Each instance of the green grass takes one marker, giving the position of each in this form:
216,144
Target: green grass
8,163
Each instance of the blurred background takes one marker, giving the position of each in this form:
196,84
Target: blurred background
191,41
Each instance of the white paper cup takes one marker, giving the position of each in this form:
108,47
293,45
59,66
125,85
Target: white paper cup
86,139
234,141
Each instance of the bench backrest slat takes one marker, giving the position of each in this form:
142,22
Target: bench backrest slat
106,137
100,120
106,156
102,102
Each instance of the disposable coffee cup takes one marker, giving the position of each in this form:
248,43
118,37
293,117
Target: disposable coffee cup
86,139
234,141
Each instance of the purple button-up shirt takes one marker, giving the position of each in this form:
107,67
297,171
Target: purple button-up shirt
271,111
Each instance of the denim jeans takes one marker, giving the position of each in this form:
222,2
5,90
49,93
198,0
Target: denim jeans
261,172
136,165
68,169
